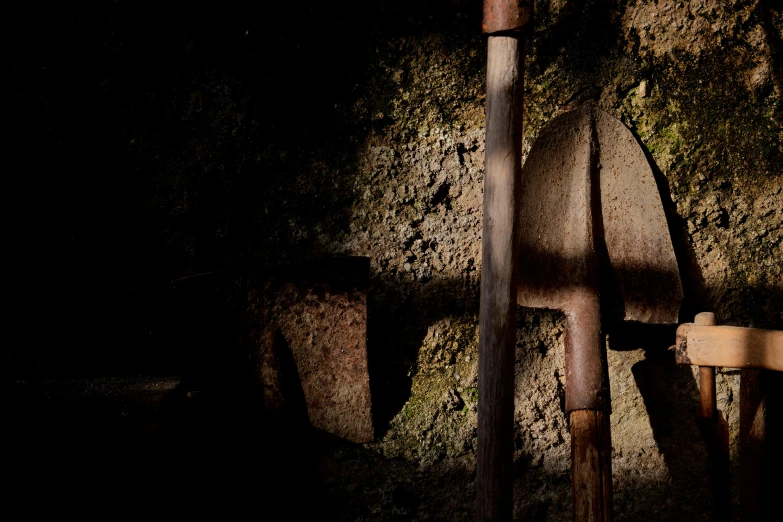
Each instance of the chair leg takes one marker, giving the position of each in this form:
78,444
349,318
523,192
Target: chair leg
753,428
716,434
709,401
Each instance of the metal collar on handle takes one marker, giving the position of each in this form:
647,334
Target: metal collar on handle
503,16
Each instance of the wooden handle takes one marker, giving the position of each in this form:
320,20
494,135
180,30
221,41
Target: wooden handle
497,334
591,466
589,406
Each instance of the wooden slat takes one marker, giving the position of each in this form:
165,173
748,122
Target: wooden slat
729,346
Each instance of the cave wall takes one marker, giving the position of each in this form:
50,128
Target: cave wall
162,144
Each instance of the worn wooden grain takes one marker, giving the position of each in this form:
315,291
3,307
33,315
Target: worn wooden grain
707,391
730,347
716,435
499,278
591,466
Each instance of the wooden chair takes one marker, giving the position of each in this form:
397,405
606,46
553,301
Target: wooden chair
753,350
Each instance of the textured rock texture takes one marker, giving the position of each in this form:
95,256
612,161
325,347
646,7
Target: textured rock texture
313,346
695,82
238,142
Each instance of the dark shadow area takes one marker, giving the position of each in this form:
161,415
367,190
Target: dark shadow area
399,314
671,399
294,405
771,483
99,448
160,141
121,447
584,29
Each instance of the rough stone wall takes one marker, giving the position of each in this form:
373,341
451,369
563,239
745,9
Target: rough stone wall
695,81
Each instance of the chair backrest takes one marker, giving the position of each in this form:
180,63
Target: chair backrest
753,350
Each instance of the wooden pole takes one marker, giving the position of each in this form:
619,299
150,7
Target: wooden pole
716,432
497,334
707,389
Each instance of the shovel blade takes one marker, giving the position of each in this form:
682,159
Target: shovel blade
589,199
557,253
635,229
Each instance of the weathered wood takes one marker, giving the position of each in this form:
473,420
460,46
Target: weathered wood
753,428
499,278
591,466
729,346
720,466
716,434
707,390
704,344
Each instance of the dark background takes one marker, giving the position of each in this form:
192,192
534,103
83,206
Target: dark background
146,138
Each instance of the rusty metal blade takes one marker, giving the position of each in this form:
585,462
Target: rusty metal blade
635,230
559,246
557,253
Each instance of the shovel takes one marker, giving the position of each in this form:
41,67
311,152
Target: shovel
594,243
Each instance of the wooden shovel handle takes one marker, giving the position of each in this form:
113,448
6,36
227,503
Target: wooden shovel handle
591,466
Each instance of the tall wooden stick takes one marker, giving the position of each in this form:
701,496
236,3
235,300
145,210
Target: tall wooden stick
497,332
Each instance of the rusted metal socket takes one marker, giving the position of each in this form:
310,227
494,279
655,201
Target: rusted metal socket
504,16
587,377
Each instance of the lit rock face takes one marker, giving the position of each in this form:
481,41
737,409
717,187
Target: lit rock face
697,82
